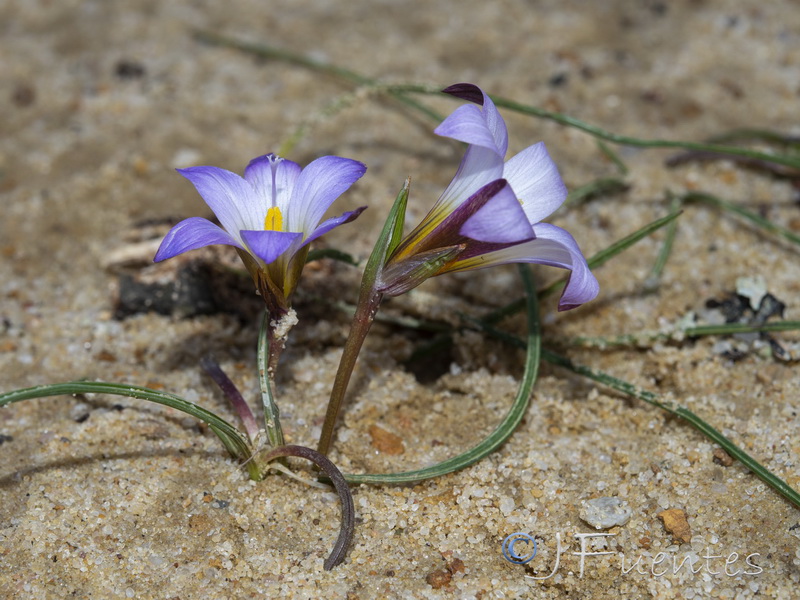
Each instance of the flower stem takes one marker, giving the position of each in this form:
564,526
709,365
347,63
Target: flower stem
269,350
368,303
369,299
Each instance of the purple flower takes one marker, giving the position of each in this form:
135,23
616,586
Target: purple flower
270,215
490,213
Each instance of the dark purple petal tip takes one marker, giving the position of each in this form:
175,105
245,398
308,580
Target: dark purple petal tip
466,91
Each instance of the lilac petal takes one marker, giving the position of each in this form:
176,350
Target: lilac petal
553,246
447,230
232,199
468,124
534,178
492,119
334,222
190,234
501,220
269,245
273,179
318,185
479,167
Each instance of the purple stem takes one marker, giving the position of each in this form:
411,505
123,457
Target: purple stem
233,395
348,510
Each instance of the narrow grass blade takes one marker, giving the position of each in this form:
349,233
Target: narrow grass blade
653,280
754,218
233,439
775,482
681,412
644,338
788,160
270,52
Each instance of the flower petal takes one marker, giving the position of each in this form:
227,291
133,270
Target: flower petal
318,185
535,180
468,124
190,234
444,229
273,179
501,220
334,222
479,167
463,124
269,245
553,246
232,199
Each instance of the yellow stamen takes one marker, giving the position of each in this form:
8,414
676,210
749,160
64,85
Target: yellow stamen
274,219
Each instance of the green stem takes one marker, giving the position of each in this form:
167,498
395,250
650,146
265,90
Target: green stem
267,354
644,337
369,299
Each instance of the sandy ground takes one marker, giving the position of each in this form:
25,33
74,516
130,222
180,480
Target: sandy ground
115,498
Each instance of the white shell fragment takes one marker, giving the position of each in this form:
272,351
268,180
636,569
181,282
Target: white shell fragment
605,512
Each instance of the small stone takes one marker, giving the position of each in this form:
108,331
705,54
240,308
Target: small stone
456,566
439,579
722,458
675,523
605,512
386,442
752,288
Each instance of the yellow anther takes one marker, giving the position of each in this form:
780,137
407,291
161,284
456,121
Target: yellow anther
274,219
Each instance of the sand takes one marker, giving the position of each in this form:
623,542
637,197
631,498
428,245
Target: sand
108,497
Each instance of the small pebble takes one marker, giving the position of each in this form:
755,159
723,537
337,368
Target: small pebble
386,442
675,523
605,512
438,579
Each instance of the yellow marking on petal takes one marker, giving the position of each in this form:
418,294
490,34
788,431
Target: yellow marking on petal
421,231
274,219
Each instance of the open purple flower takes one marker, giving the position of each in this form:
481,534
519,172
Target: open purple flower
490,213
270,216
